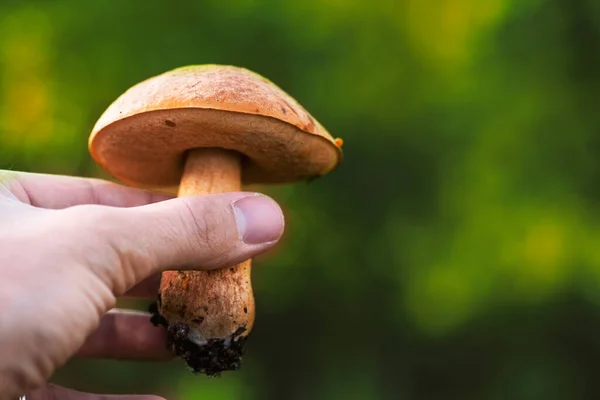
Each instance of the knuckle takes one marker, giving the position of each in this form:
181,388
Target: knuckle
93,229
104,245
208,224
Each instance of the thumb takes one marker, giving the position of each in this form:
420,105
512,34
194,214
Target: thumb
210,231
196,232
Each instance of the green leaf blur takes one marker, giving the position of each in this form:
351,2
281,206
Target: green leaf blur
452,256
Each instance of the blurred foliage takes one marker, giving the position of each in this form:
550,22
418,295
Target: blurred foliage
453,256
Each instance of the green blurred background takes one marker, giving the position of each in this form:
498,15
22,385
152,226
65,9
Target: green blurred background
454,255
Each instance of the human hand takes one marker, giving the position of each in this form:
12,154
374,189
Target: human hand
69,247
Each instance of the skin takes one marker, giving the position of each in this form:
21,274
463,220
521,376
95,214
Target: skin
69,247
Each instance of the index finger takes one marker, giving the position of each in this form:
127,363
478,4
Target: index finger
59,191
127,335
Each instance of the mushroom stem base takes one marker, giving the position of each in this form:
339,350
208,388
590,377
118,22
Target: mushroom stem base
211,357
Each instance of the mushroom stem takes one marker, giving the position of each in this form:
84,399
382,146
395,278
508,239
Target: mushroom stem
208,313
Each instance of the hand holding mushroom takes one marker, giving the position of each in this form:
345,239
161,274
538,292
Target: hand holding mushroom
208,129
70,246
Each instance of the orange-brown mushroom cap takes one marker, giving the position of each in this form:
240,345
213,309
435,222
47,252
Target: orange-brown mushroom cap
143,136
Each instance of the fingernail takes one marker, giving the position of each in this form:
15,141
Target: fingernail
259,219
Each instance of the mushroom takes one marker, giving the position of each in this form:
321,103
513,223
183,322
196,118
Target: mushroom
209,129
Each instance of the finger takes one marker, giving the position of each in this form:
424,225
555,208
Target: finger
57,192
55,392
146,289
126,335
197,232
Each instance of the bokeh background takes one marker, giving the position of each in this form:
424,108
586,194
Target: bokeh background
454,255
